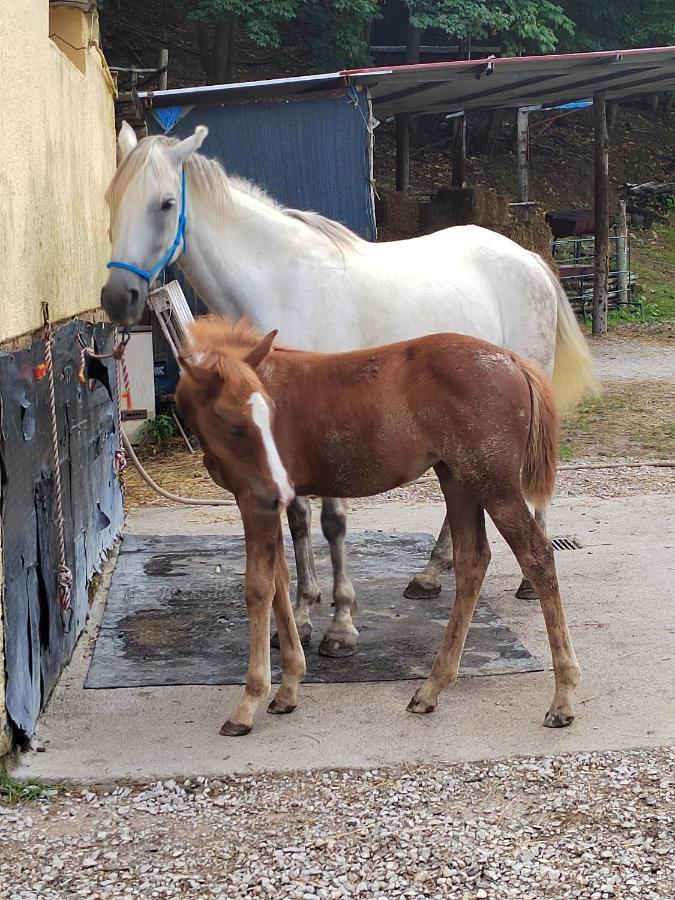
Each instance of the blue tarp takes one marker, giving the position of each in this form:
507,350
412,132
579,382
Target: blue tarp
307,153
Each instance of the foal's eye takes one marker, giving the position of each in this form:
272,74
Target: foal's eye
167,204
237,430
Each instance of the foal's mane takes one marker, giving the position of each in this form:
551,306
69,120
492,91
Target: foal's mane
207,178
220,344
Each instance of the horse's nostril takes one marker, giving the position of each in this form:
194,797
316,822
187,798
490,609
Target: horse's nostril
134,297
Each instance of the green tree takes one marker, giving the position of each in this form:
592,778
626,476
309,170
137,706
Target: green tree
620,24
219,22
335,33
532,25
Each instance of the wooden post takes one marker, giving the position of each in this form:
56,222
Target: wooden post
522,156
459,152
622,274
402,153
600,286
163,64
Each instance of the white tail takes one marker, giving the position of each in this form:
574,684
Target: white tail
573,375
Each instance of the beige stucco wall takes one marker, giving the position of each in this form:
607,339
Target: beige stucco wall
57,154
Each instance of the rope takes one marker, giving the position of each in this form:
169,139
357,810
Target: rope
65,576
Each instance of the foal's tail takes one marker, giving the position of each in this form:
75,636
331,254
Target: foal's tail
541,451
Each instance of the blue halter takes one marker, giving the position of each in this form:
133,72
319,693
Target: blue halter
150,274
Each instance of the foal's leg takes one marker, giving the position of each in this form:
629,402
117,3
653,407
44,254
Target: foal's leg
261,534
526,591
299,514
292,658
428,583
341,637
535,555
472,556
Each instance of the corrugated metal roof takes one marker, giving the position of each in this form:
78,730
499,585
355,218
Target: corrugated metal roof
452,86
517,81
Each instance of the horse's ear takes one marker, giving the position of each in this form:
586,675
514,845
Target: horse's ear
258,354
180,152
126,139
200,374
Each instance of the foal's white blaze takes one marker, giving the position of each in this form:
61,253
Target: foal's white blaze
260,413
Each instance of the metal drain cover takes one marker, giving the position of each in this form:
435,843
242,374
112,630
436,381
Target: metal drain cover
565,543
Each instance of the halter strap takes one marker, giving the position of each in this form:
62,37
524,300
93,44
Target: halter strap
150,274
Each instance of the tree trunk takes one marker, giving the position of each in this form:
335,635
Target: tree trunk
403,123
488,137
223,55
459,152
612,107
204,43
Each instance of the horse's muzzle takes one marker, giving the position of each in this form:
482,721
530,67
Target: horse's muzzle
123,297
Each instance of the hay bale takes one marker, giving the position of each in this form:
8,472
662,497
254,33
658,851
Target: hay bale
397,215
533,235
464,206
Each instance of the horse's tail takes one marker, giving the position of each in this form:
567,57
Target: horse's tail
573,375
541,451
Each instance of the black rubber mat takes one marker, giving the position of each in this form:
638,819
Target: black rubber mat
176,615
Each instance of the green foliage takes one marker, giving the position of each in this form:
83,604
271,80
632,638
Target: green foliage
158,430
13,792
534,25
334,32
619,24
260,21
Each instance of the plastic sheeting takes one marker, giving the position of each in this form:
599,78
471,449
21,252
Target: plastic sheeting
310,153
36,645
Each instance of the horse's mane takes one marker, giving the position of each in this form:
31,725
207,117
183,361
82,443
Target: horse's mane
209,180
220,344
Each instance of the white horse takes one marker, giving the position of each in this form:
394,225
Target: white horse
326,289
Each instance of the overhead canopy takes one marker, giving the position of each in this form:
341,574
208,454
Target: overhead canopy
516,81
453,86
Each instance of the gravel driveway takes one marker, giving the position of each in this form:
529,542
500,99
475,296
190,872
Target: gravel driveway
589,826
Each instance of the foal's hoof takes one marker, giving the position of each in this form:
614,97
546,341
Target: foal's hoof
418,590
278,708
557,719
235,729
526,591
338,646
419,707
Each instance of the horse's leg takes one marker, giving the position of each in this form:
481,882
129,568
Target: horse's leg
535,556
428,583
472,556
526,591
299,514
261,533
341,637
292,658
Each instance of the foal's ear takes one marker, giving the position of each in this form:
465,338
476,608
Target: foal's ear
258,354
126,139
180,152
200,374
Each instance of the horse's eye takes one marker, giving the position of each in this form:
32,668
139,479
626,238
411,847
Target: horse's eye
167,204
237,430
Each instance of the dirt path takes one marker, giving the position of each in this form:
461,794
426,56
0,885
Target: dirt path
633,360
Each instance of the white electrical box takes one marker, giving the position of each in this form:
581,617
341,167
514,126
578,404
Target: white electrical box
140,366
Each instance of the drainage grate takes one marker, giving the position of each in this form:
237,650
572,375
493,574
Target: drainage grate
565,543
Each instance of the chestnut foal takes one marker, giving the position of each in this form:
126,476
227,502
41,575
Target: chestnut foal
360,423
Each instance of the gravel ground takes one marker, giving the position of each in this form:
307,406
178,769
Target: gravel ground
590,825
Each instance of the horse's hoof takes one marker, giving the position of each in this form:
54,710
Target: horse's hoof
278,708
416,590
338,647
419,707
557,719
235,729
526,591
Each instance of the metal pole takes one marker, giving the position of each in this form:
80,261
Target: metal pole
523,157
600,287
622,255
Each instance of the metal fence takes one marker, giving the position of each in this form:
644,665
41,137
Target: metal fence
575,258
